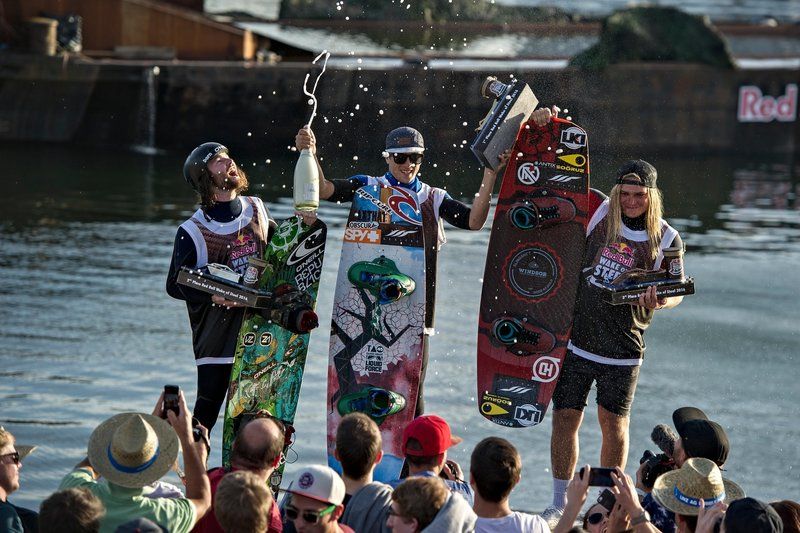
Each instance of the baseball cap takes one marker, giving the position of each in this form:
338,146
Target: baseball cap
749,515
637,172
700,436
140,525
404,140
433,434
319,483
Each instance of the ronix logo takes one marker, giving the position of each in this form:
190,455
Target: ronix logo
573,138
527,415
545,369
755,107
372,236
528,174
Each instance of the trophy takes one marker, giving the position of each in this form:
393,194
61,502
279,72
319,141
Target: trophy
669,282
512,107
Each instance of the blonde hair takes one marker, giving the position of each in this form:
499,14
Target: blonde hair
6,437
242,503
652,217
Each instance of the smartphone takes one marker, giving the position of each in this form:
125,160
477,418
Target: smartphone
600,477
171,400
607,499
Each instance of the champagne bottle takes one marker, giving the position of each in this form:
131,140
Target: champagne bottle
306,182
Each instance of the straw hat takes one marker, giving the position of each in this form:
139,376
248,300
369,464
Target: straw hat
681,490
133,449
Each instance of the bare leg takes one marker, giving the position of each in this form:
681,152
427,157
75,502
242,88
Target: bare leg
614,451
564,445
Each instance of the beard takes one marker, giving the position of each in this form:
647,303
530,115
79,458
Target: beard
238,184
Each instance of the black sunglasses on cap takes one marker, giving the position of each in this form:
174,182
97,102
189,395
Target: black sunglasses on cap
402,158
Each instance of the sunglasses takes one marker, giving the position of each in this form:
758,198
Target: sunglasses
14,457
311,517
596,518
402,158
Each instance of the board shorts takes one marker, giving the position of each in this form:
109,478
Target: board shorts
616,385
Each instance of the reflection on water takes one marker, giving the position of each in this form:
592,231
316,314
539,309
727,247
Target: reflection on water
88,331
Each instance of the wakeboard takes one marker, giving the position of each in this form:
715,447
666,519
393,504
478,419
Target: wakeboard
531,276
378,320
271,351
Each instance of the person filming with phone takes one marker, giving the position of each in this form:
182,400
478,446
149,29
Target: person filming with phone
132,450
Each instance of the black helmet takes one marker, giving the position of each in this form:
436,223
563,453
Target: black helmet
196,164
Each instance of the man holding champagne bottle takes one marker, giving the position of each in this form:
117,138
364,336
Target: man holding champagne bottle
403,154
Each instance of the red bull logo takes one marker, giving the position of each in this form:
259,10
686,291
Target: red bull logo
619,252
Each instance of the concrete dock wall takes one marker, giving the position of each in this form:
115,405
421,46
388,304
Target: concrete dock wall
664,107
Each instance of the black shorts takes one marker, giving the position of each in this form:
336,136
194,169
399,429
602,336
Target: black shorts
616,385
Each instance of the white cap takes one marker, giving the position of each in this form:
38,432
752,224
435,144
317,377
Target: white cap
319,483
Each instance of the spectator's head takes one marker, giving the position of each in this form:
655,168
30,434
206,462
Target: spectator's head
595,519
10,463
426,441
789,512
681,490
748,515
358,445
133,449
242,503
316,503
698,437
415,503
258,446
494,469
71,511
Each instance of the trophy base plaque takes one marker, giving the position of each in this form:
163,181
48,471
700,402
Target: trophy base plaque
236,292
666,288
512,108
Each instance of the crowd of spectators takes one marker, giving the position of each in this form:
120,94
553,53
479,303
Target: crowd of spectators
118,486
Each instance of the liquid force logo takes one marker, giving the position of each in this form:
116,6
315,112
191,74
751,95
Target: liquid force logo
528,174
573,138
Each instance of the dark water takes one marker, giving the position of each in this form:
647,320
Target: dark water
86,329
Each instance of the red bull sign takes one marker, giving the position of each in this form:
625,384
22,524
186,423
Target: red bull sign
754,106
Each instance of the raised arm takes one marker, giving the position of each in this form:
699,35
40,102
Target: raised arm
480,205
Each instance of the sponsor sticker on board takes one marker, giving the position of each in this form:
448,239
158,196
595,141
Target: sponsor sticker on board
528,174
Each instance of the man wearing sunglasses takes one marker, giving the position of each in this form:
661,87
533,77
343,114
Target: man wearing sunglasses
12,518
404,154
315,501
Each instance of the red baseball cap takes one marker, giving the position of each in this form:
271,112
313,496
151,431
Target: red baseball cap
433,434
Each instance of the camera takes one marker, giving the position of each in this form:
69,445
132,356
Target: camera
654,466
